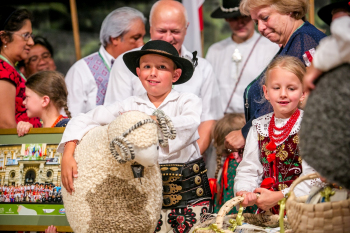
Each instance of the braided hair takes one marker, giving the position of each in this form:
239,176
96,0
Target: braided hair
52,84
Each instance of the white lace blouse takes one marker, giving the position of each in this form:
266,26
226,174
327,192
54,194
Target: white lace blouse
250,171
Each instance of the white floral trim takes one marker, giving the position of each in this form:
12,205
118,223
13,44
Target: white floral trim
262,124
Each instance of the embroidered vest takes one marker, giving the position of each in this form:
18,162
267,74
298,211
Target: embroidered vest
287,164
286,167
101,75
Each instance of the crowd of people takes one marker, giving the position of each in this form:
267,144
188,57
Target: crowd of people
31,193
266,76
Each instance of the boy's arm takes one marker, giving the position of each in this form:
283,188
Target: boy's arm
186,124
78,126
249,171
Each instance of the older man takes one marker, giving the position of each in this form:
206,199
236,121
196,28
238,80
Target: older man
240,58
87,80
168,22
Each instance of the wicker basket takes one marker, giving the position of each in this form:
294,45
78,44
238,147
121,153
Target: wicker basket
222,220
317,218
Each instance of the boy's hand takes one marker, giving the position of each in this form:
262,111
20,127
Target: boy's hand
249,198
267,198
23,128
312,73
69,167
154,118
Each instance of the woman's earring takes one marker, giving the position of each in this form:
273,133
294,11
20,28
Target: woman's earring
5,46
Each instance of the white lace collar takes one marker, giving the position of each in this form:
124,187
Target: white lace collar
262,124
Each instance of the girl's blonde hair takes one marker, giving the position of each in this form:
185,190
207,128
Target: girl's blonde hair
289,63
50,83
230,122
298,8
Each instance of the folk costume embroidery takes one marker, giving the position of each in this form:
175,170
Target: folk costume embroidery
100,71
279,155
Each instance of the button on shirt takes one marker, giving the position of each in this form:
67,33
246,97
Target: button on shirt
184,109
220,57
81,85
123,83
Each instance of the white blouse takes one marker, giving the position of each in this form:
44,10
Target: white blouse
184,109
250,170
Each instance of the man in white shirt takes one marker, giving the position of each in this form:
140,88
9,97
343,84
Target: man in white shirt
122,30
240,58
168,22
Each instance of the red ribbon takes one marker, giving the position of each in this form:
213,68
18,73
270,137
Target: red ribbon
225,168
271,146
271,157
267,183
212,185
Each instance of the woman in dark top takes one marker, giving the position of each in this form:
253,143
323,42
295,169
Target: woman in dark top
281,22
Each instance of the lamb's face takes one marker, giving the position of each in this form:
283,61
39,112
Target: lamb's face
148,156
138,133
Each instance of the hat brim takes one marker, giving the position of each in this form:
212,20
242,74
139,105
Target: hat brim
325,13
219,14
132,61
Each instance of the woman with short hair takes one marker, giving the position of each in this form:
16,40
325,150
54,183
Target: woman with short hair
282,23
15,43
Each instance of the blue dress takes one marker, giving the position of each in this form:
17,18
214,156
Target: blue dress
303,39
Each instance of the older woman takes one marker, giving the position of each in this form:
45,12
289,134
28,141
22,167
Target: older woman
282,23
39,58
16,41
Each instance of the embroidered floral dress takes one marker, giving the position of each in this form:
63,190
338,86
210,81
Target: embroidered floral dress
255,168
7,72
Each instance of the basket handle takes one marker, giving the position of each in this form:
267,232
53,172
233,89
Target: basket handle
301,179
225,209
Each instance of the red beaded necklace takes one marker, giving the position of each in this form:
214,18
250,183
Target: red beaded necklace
57,120
286,129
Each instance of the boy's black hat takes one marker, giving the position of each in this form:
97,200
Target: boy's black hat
228,9
132,59
325,13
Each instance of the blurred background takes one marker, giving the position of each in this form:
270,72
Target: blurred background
52,19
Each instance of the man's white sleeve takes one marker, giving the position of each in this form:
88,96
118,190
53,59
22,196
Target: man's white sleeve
334,50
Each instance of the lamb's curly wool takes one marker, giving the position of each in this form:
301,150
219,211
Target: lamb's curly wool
325,132
107,197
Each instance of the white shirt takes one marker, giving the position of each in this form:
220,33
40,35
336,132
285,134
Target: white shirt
334,49
220,57
250,170
184,109
81,85
123,83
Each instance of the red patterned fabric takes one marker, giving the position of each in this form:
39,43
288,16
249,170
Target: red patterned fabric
9,73
285,168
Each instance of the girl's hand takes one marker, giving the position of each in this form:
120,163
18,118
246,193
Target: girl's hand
23,128
267,198
249,198
69,168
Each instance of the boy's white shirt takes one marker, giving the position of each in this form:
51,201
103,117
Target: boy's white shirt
250,170
123,84
184,109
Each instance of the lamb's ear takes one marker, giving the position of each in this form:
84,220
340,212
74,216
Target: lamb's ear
125,147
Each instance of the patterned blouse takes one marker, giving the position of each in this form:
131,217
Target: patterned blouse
7,72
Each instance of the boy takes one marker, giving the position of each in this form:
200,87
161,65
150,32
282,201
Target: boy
158,66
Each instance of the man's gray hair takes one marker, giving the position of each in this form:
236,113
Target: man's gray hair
118,22
154,7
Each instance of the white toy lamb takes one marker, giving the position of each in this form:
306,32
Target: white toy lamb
108,197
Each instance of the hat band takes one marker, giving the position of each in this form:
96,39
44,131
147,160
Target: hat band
159,51
229,9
